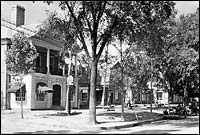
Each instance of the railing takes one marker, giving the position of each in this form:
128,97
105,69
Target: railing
56,71
41,69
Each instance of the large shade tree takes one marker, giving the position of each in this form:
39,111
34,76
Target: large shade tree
182,56
97,21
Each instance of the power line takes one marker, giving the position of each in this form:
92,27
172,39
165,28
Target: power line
35,32
15,29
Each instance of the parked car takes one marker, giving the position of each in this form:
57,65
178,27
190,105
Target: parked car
192,108
176,111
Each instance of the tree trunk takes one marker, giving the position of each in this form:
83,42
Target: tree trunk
76,82
92,103
67,106
104,87
140,96
21,103
122,77
151,91
151,98
105,74
185,96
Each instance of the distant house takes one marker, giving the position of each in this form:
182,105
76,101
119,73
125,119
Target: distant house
114,89
46,73
160,96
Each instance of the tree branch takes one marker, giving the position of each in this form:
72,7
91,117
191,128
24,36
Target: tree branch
80,33
106,37
93,15
101,12
116,48
88,23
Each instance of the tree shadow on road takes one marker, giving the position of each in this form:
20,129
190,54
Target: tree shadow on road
188,122
156,131
132,116
46,132
60,114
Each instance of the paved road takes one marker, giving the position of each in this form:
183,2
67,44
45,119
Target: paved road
183,126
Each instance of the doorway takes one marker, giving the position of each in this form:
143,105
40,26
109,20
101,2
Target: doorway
56,95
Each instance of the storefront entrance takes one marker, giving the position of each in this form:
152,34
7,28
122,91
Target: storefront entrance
56,95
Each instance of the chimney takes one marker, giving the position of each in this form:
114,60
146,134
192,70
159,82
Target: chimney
17,15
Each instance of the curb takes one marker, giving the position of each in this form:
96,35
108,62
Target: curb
132,124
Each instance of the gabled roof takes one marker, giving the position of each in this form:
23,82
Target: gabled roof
115,65
9,30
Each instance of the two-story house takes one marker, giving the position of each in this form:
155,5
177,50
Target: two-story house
46,72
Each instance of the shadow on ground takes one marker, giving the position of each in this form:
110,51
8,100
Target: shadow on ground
64,114
152,132
46,132
97,132
132,116
59,114
188,122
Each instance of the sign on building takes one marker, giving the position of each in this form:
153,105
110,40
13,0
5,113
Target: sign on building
70,80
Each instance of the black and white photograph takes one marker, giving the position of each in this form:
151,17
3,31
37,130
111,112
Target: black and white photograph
99,67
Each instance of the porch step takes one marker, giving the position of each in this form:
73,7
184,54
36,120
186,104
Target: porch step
57,108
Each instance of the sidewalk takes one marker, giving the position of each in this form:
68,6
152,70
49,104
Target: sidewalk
11,121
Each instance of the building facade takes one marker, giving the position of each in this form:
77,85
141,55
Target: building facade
47,72
135,96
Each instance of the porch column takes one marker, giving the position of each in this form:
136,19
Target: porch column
76,83
48,61
64,70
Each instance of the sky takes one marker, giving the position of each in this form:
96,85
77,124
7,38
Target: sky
36,12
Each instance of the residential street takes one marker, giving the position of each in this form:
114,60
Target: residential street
183,126
55,122
100,67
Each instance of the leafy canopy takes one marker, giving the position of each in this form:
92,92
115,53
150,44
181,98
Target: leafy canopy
21,55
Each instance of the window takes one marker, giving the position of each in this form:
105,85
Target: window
41,61
42,58
18,96
84,97
53,61
159,95
39,95
116,95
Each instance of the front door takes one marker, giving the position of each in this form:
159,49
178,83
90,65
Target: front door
56,94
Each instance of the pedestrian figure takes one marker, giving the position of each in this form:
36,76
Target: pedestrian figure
129,104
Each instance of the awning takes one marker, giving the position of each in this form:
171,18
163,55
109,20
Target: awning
44,89
13,89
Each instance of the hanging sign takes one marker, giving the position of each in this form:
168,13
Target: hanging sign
70,80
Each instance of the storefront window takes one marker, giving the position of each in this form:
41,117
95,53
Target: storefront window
39,95
84,95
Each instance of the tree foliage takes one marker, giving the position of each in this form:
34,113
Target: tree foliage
182,57
20,60
96,22
20,56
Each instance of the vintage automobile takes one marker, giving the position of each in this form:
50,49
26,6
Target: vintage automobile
192,108
175,111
